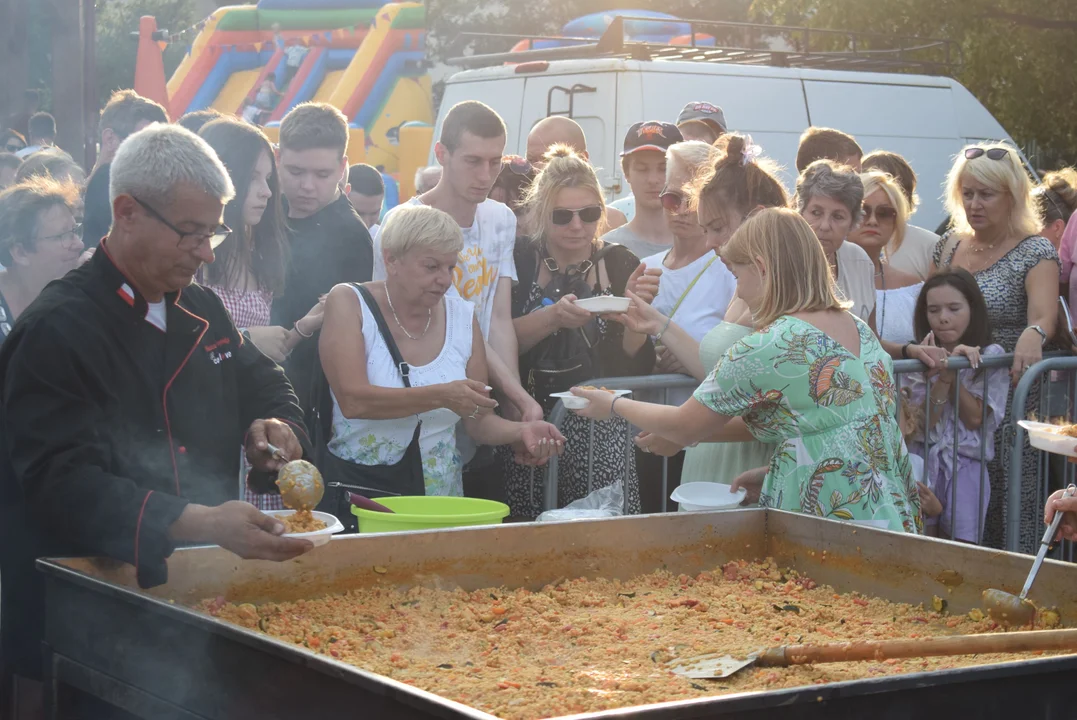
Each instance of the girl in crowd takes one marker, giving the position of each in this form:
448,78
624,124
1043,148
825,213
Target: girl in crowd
739,183
562,344
996,237
951,313
812,379
880,233
917,246
249,267
40,241
394,425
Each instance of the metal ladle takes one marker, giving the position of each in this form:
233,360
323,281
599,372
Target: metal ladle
1008,609
301,485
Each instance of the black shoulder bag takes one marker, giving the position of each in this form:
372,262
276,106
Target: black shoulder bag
404,477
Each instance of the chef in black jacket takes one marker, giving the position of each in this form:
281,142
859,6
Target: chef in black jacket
126,392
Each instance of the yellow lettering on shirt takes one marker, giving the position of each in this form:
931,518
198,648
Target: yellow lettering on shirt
472,275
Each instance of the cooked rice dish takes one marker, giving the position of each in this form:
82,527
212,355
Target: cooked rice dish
587,645
301,521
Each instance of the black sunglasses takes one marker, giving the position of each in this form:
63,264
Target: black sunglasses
991,153
589,214
190,240
882,213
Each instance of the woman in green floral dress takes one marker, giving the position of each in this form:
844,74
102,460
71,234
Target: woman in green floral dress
813,379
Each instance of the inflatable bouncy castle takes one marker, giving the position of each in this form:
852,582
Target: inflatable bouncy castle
363,56
656,27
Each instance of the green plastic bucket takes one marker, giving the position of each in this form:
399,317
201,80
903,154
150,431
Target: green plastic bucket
430,513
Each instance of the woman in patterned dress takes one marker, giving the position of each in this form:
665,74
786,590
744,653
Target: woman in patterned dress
996,238
813,379
249,267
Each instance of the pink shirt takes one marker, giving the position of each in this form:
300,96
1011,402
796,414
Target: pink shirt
1067,254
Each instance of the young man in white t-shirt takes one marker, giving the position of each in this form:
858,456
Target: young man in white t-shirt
470,150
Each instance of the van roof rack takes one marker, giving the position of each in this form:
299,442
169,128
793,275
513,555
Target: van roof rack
735,43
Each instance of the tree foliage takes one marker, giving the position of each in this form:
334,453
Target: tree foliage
1017,56
117,49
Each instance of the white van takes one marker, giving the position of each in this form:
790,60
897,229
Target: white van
924,118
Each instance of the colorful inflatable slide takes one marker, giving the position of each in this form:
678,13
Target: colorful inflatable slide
362,56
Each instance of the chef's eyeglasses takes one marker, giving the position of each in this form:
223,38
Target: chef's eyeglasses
563,216
69,239
190,240
883,213
995,153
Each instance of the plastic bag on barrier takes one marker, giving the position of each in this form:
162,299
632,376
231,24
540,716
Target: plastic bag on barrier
605,502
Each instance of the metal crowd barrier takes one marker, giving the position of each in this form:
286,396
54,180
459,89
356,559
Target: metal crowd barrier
1013,435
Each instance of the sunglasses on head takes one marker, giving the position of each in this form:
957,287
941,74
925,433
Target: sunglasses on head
992,153
671,200
563,216
517,165
883,213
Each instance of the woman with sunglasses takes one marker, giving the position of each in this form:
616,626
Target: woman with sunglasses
39,242
996,237
562,344
880,233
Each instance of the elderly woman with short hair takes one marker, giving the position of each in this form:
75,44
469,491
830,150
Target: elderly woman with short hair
831,198
39,242
388,417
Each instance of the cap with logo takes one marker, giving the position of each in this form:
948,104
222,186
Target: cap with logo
703,112
651,135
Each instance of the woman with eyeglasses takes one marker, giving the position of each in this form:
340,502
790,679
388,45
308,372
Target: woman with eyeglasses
996,237
562,344
881,233
39,242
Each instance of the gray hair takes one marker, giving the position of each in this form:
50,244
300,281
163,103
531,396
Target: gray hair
426,178
826,178
152,162
420,227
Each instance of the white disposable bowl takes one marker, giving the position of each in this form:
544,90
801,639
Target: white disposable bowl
703,496
604,304
318,537
574,402
1045,437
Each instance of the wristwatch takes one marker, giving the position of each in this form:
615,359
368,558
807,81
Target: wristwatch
1042,333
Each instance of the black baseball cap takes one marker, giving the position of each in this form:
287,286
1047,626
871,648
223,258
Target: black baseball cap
651,135
703,112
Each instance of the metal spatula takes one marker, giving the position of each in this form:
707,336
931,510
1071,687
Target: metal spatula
721,666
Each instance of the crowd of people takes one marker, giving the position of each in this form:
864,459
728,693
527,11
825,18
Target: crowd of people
206,297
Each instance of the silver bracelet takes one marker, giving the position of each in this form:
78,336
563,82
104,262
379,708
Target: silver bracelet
663,330
613,405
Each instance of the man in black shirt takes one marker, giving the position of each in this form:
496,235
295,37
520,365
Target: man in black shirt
125,391
126,113
329,243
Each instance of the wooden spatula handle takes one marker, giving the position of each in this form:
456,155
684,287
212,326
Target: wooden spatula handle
1013,642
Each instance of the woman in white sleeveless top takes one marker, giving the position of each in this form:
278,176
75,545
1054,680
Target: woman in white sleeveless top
374,414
